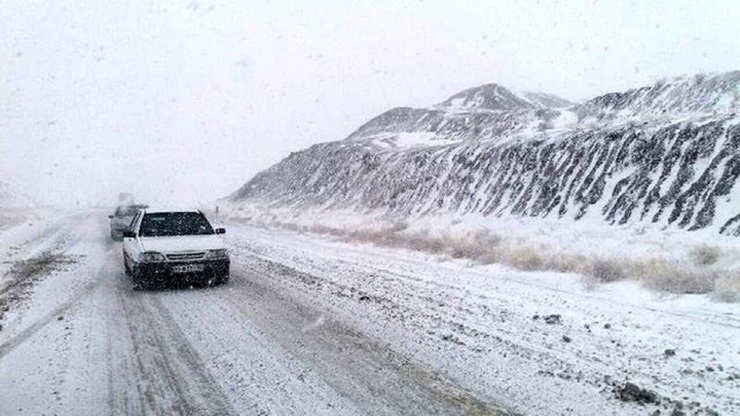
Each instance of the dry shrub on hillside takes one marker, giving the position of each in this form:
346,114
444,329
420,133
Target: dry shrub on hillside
485,248
424,242
524,258
489,255
704,255
605,271
675,278
727,288
480,246
323,229
292,227
369,236
459,248
398,226
568,263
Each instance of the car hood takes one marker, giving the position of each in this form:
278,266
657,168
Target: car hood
182,243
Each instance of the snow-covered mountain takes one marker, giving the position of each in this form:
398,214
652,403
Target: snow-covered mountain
497,98
667,153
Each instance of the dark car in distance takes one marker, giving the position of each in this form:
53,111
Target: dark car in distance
121,219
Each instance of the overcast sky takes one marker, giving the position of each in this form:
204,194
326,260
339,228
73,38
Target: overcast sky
183,101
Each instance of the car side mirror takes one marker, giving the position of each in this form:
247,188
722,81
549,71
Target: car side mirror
129,234
220,230
110,216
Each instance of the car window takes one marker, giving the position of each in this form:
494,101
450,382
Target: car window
173,224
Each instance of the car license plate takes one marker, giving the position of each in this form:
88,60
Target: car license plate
187,268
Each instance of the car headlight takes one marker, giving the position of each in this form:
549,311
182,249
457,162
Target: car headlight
217,254
150,257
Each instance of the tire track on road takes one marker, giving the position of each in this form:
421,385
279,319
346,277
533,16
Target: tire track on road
377,378
27,333
169,375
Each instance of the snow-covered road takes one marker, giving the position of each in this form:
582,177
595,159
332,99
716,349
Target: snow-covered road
308,325
80,341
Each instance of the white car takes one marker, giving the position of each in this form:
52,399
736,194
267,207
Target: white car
174,246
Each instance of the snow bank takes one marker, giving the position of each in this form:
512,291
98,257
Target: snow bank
664,259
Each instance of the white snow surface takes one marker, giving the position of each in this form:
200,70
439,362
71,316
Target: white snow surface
12,197
649,322
403,140
588,237
477,326
312,325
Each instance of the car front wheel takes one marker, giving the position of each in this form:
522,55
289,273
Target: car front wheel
139,280
126,269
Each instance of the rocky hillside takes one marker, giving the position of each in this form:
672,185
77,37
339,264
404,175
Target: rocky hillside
667,153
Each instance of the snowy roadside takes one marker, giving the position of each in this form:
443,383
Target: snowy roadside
668,260
536,342
33,251
52,344
23,229
11,217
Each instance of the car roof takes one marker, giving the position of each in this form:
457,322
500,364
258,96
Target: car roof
127,208
158,210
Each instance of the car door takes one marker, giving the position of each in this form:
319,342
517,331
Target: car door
115,218
132,246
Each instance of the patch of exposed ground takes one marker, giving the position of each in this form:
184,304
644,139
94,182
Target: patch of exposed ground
24,274
630,392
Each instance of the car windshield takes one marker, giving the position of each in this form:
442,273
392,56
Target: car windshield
166,224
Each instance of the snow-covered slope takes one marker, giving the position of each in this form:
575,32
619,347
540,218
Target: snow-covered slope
712,94
667,153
